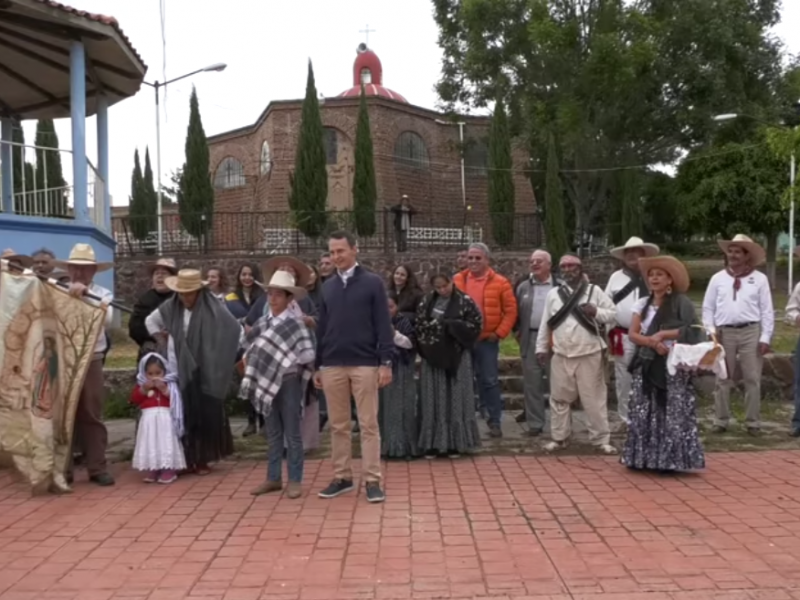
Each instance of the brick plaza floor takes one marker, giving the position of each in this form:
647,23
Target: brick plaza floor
504,527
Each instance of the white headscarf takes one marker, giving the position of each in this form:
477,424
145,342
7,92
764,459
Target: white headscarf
171,379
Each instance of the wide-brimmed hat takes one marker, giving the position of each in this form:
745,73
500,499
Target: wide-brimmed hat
753,249
635,243
163,263
669,264
272,265
21,260
283,280
81,255
186,281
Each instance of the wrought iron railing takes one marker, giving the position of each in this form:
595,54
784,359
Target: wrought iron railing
276,232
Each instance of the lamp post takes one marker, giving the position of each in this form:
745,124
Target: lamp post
792,174
157,85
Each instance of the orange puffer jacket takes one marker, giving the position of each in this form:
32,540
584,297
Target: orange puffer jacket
499,303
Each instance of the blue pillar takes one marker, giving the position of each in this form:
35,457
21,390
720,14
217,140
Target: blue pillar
77,92
102,156
7,172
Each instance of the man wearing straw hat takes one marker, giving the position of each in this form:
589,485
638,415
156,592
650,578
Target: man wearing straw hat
16,263
90,431
625,287
738,308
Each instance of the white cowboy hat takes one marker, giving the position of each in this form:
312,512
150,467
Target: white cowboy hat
671,265
186,281
635,243
753,249
283,280
83,254
20,260
273,264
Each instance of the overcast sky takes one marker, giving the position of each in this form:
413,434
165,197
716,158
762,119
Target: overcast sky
265,44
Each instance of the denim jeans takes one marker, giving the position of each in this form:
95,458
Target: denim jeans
796,417
485,356
283,422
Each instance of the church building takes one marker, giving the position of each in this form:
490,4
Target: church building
417,154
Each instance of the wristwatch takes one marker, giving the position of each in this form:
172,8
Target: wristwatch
386,363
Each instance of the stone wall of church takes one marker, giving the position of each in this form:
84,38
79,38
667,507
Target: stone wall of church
433,189
132,279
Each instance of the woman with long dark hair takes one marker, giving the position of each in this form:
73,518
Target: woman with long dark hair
405,291
662,433
246,292
314,286
448,325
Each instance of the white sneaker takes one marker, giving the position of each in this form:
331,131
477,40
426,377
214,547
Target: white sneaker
607,449
553,445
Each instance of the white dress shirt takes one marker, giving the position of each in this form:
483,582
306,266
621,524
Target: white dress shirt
753,303
571,339
793,306
101,292
345,275
617,281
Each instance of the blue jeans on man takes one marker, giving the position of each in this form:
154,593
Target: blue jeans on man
796,417
283,423
485,357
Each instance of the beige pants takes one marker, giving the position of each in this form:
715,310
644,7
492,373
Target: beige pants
741,343
580,377
361,383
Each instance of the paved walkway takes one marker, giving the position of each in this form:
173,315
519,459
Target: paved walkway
505,527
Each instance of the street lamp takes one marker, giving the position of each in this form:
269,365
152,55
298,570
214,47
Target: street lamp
461,143
157,85
792,169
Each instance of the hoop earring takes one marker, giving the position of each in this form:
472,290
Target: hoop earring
669,289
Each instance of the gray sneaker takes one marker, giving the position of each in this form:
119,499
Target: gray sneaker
374,492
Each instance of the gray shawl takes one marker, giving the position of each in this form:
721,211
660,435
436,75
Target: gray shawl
210,346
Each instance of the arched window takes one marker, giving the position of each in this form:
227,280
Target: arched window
331,141
410,150
266,158
366,76
476,158
230,174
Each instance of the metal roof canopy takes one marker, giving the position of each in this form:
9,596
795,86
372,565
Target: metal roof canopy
35,40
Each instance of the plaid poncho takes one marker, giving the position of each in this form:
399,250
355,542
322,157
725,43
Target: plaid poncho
273,350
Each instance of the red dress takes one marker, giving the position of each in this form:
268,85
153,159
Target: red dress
141,398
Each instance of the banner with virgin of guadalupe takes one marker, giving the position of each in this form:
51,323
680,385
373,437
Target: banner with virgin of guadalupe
46,343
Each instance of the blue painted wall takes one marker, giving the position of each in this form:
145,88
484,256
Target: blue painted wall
27,234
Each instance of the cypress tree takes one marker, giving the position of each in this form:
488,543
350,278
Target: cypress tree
137,202
150,213
501,179
365,189
49,172
196,191
554,226
24,174
309,194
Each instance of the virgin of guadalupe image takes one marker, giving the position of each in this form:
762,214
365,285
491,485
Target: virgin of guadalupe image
45,380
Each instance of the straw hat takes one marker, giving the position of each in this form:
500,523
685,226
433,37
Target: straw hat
186,281
283,280
163,263
81,255
671,265
753,249
272,265
635,243
24,262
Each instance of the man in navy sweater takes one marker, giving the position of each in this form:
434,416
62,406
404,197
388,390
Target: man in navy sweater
354,358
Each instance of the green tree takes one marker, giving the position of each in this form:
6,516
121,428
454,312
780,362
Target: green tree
365,189
501,177
196,206
554,230
138,214
24,174
309,194
52,197
615,80
151,198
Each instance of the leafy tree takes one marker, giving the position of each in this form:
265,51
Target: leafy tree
170,193
52,198
24,174
554,230
662,218
151,198
365,189
501,177
137,202
615,80
196,206
309,194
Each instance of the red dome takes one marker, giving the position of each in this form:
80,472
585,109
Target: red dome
367,69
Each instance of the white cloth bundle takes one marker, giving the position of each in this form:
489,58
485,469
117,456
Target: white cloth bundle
687,357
